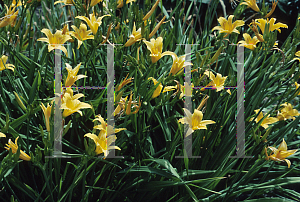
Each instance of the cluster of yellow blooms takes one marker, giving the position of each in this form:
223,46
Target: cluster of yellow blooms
128,106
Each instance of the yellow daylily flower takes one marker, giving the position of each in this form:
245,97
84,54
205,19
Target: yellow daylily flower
159,88
72,75
287,112
65,31
155,47
14,148
217,81
56,41
266,122
71,105
249,42
2,135
272,26
227,26
10,17
104,139
3,64
298,56
281,153
134,37
47,114
251,3
195,121
70,92
14,3
124,82
95,2
178,62
93,23
274,4
66,2
81,34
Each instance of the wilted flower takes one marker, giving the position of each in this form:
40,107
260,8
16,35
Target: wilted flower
93,23
266,122
194,120
3,64
81,34
56,40
124,82
227,26
14,149
281,153
274,4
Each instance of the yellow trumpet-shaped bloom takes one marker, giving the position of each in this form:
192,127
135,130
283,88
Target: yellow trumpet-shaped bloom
158,90
55,41
249,42
266,122
217,81
227,26
81,34
155,47
281,153
14,148
72,75
3,64
134,37
251,3
10,17
105,138
71,105
92,22
194,120
272,26
287,112
47,114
